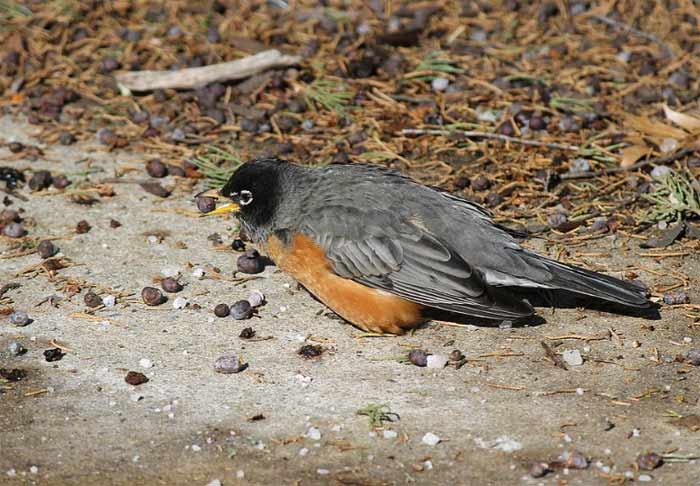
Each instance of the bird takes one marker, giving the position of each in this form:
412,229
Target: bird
381,250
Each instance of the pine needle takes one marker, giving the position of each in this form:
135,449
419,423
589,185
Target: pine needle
676,197
217,164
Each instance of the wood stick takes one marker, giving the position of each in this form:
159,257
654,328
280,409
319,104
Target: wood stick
201,76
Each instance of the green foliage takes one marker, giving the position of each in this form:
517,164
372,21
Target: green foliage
436,63
217,164
378,414
676,197
328,94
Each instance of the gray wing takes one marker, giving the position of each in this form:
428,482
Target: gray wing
406,259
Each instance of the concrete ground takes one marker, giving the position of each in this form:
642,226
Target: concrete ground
291,420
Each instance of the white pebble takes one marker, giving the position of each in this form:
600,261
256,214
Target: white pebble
573,357
668,145
153,239
636,433
313,433
580,391
440,84
135,397
240,474
171,272
33,469
322,472
390,434
256,298
109,300
687,339
214,482
436,361
11,472
644,478
431,439
660,171
145,363
303,451
179,302
428,465
372,433
198,272
196,448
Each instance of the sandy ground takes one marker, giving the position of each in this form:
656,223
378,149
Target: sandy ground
76,421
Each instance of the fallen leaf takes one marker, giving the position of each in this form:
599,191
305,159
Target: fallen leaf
654,128
688,122
690,422
632,154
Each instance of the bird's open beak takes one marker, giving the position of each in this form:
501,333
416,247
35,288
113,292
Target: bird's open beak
231,207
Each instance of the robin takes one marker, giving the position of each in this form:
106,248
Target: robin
380,249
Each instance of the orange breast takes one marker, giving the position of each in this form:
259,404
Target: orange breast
369,309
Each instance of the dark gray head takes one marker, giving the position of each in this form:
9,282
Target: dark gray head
255,191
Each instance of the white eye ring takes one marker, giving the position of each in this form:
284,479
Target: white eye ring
245,198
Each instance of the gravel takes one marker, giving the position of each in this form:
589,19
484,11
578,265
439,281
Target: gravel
572,357
20,318
229,364
430,439
241,310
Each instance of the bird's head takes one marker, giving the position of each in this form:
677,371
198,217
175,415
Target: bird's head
253,192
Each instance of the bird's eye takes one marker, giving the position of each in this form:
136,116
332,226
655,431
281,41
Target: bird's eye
245,198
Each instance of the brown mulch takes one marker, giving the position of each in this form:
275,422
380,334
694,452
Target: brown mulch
540,105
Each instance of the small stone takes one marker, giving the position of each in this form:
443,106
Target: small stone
106,136
241,310
221,310
430,439
579,165
145,363
156,189
390,434
644,478
135,378
250,262
180,302
480,183
171,285
693,357
229,364
66,138
456,355
418,357
9,216
310,351
256,298
14,230
313,433
19,318
156,168
572,357
91,299
46,249
660,171
240,474
238,245
440,84
109,301
436,361
198,272
322,472
114,224
40,180
205,204
539,469
307,125
16,349
574,460
53,354
649,461
303,451
82,227
152,296
676,298
247,333
214,482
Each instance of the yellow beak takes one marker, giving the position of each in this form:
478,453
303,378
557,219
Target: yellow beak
226,208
